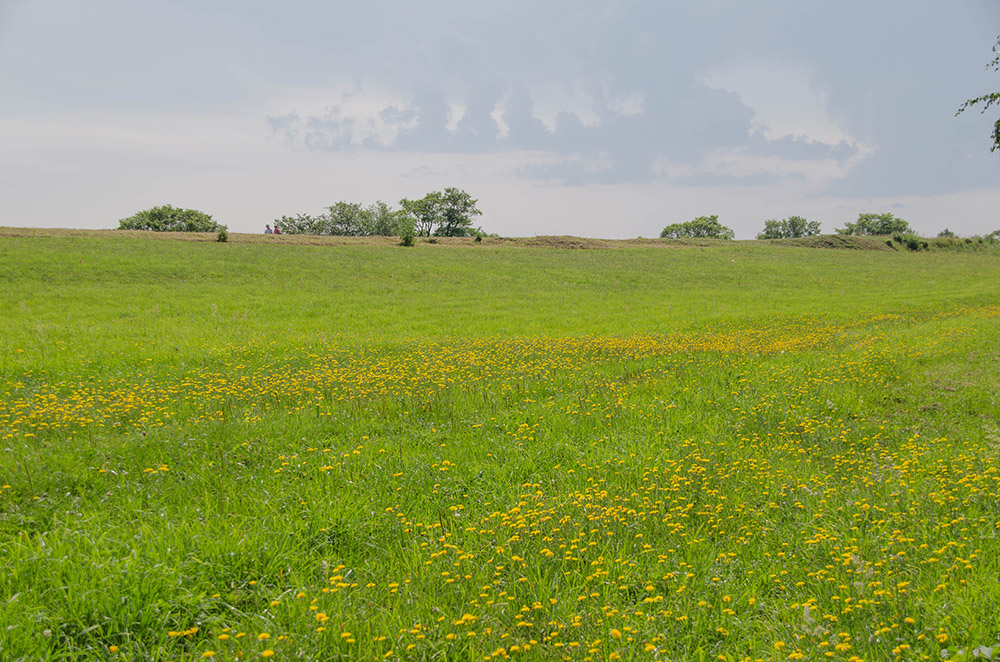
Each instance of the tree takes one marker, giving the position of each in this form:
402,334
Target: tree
445,214
457,210
423,214
876,224
170,219
702,227
300,224
988,99
793,226
381,220
344,219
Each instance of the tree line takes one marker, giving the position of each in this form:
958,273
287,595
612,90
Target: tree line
450,213
447,213
868,224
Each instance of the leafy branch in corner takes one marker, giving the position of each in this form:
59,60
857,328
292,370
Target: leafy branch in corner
988,100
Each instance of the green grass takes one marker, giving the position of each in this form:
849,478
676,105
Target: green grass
463,451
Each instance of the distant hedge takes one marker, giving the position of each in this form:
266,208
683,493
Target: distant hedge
170,219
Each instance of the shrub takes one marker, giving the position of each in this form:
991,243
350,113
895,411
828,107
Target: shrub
170,219
910,241
408,234
346,219
707,227
222,236
876,225
789,228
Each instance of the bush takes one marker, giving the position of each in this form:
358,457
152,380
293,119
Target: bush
346,219
408,235
910,241
222,236
789,228
704,227
445,214
876,225
170,219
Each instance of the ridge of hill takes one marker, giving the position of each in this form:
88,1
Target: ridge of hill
540,241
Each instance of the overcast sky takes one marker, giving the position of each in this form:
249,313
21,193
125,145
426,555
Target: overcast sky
591,118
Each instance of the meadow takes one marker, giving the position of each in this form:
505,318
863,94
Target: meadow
642,451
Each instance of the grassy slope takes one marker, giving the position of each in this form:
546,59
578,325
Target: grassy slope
274,420
118,297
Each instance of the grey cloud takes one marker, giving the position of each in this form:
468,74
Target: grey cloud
330,133
284,125
477,130
681,125
798,148
900,91
526,130
430,133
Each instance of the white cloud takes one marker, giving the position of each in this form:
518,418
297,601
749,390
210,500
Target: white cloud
498,116
551,100
456,111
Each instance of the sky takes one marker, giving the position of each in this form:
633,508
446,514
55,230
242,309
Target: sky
591,118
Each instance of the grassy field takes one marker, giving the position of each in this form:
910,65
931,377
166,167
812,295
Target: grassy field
639,451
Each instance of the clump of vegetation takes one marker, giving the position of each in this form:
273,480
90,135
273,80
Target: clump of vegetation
909,241
222,236
407,235
345,219
170,219
876,225
789,228
447,213
703,227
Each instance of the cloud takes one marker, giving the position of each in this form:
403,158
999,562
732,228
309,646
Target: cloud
798,99
624,86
